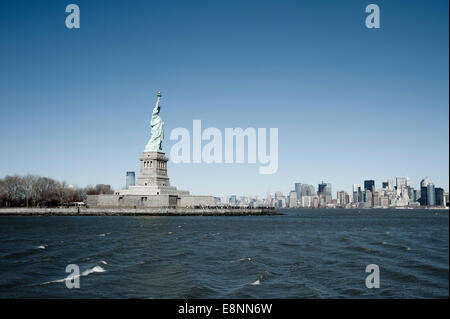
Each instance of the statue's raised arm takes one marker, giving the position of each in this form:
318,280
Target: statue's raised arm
156,109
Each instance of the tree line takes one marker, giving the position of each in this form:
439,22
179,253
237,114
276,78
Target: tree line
37,191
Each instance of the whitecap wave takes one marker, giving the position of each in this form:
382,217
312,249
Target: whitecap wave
41,247
257,282
92,270
72,277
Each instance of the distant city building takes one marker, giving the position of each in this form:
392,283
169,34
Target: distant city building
439,196
411,194
417,195
431,195
130,180
324,191
315,201
298,190
402,181
293,201
384,201
357,193
343,199
369,185
308,190
367,199
423,196
424,182
390,184
376,199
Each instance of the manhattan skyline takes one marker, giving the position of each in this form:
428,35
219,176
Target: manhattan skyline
350,103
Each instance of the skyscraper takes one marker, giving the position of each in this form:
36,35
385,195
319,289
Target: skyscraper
342,199
298,190
130,180
402,181
424,191
423,196
431,195
324,191
417,194
369,185
440,198
424,182
293,200
390,184
411,194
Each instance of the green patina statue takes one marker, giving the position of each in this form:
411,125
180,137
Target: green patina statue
155,142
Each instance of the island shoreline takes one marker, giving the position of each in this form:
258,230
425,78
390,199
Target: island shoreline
130,211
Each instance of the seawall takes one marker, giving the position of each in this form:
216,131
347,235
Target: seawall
124,211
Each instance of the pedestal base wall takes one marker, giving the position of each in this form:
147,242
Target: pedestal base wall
149,201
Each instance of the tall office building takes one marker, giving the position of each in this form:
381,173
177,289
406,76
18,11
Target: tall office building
309,190
342,199
293,200
424,182
357,193
130,179
402,181
439,195
411,194
324,191
298,190
417,195
431,195
369,185
376,199
423,196
324,188
390,184
367,198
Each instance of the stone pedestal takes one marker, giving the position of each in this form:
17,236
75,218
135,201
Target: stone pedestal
153,171
153,179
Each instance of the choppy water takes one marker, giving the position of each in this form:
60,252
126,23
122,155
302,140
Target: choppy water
303,254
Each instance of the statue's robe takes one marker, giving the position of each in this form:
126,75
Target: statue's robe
155,142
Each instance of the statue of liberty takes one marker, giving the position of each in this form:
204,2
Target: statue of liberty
155,142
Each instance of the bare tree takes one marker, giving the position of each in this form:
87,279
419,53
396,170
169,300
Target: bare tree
43,191
27,183
13,190
2,192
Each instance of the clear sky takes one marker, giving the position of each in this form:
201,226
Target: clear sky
350,103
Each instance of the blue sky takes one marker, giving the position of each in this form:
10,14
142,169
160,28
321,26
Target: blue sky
350,103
